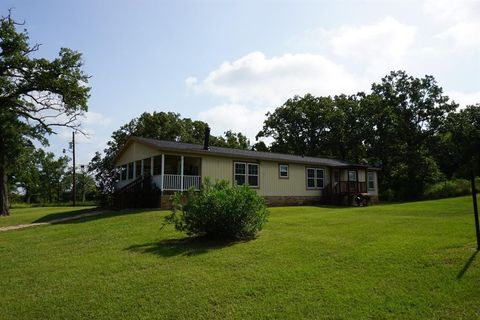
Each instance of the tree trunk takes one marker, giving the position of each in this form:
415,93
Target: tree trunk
4,203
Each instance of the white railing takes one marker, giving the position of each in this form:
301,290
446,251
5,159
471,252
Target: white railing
191,181
174,182
170,182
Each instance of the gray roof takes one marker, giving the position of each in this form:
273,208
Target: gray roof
241,154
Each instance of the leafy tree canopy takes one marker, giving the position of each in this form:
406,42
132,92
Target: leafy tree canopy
36,95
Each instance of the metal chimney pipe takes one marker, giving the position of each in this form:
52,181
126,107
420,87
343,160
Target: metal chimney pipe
206,140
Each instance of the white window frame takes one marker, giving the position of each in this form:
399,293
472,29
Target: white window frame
280,171
370,174
246,174
253,175
315,177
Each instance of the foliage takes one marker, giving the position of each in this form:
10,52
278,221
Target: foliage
407,115
460,143
39,177
448,189
156,125
231,140
398,126
219,211
36,95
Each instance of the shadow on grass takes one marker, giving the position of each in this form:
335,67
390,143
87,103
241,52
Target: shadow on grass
467,265
336,206
63,214
189,246
56,218
106,214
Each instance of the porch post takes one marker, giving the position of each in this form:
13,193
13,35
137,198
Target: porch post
141,173
181,173
162,171
151,166
134,169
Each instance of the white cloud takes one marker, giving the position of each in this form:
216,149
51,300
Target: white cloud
387,40
464,99
191,81
236,117
372,48
95,118
460,22
346,59
262,81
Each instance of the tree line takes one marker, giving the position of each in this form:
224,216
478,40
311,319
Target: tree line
40,177
405,125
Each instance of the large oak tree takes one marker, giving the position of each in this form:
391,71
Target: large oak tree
36,95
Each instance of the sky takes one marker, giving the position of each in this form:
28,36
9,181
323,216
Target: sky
230,62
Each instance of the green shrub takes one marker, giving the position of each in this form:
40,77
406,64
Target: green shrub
447,189
219,211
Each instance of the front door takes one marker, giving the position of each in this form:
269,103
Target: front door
352,181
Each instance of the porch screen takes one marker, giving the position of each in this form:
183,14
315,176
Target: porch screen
157,165
123,172
147,165
130,170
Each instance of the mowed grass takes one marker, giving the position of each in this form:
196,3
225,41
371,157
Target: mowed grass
402,261
40,214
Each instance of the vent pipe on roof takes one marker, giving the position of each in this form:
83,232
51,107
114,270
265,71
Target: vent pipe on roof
206,139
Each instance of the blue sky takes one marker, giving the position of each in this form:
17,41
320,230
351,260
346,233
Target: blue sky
229,62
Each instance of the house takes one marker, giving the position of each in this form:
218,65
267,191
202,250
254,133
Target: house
150,171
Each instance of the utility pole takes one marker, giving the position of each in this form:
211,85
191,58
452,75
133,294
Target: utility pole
74,187
475,209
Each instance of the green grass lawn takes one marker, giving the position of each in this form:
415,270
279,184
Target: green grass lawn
401,261
40,214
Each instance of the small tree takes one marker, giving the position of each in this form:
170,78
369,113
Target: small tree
36,95
219,211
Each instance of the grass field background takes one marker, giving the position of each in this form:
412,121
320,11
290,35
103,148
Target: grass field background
400,261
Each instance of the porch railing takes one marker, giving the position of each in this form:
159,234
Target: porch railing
349,187
174,182
191,181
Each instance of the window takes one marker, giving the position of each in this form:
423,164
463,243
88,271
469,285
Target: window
130,170
352,175
246,173
315,178
371,180
253,174
283,171
240,173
